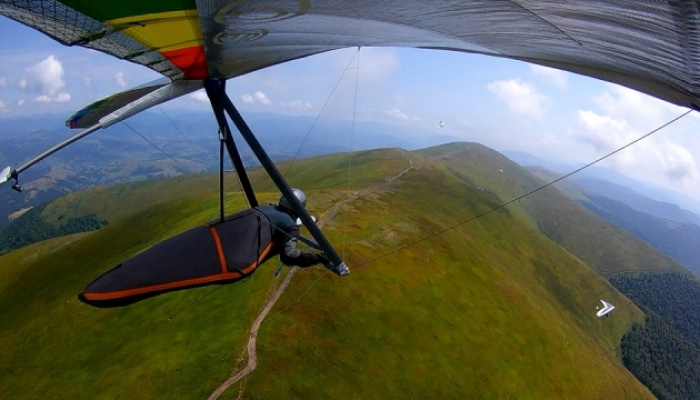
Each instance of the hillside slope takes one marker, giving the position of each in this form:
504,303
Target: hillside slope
490,308
666,227
680,241
636,201
602,245
630,264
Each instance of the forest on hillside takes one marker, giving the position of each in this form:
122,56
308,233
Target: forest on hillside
662,360
672,296
664,352
31,227
680,241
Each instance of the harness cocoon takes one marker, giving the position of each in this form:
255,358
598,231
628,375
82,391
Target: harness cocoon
220,252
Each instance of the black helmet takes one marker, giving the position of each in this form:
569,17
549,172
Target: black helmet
299,195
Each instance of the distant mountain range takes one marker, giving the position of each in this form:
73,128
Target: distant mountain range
667,227
675,239
636,201
154,144
614,181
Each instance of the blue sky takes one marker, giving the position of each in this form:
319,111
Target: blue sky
506,105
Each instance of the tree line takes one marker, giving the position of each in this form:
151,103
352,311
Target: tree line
31,227
664,351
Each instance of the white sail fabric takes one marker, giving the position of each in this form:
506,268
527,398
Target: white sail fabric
607,307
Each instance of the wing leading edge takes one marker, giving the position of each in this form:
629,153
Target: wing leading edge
646,45
123,105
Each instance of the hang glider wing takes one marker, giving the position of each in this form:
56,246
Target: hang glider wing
125,104
648,45
106,112
607,307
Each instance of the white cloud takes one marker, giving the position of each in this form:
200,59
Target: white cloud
396,113
62,97
640,110
605,133
654,158
679,163
20,103
297,105
200,96
521,98
3,82
3,106
257,97
260,96
556,77
119,79
47,76
22,84
87,81
59,98
666,157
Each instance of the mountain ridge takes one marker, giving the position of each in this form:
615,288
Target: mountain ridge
156,145
488,308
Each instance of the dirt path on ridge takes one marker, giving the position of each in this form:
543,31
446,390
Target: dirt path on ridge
251,348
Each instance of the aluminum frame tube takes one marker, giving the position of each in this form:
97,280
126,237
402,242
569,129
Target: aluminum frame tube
215,90
57,147
280,182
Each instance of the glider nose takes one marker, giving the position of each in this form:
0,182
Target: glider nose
5,175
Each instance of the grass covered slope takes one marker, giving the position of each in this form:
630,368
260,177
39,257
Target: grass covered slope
56,347
489,309
602,245
331,171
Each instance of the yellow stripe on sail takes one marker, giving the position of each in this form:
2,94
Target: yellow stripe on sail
166,31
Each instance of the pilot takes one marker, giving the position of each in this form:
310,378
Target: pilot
286,233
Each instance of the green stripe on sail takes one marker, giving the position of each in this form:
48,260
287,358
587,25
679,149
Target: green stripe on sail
107,10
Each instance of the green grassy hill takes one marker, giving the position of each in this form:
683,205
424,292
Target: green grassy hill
489,309
601,244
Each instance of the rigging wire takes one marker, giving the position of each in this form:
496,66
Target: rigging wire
223,135
352,133
194,302
463,222
176,127
478,216
318,116
221,139
154,145
221,177
357,54
546,185
352,138
346,213
240,184
325,271
192,146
